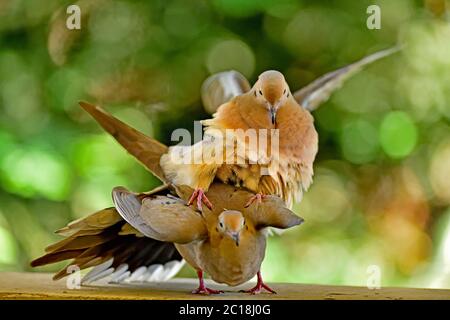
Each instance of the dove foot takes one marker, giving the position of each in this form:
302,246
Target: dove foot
202,289
206,290
200,197
257,197
260,285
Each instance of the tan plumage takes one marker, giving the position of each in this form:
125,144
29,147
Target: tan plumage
93,223
141,230
106,242
105,236
146,150
221,87
239,107
227,242
269,105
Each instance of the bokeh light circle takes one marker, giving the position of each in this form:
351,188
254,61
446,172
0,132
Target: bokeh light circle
398,134
359,141
231,55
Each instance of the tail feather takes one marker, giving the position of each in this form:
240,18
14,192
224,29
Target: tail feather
84,242
97,241
146,150
56,257
92,223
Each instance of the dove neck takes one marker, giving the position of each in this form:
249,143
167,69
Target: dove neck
255,115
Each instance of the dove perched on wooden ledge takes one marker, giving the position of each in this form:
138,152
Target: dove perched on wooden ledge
143,237
227,243
136,240
269,104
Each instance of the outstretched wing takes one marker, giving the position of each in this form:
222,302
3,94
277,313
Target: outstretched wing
221,88
320,90
146,150
161,217
272,212
114,249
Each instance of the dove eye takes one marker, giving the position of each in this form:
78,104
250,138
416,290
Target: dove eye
284,91
260,92
221,224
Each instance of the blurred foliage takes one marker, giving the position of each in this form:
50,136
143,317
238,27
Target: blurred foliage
381,194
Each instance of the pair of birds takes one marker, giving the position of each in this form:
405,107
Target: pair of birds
220,231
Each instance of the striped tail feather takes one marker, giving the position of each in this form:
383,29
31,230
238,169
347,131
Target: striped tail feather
114,250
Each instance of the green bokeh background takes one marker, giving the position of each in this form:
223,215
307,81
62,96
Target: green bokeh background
381,192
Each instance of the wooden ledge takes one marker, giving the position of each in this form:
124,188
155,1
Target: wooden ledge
40,286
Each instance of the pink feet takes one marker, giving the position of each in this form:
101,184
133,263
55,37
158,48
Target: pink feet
201,198
202,289
205,290
259,286
257,197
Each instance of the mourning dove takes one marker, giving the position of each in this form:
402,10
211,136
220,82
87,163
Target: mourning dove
142,238
268,109
227,243
285,171
223,86
135,239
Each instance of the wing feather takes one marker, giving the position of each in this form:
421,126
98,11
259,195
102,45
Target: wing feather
320,90
146,150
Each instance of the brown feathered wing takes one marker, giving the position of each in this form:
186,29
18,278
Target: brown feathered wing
114,248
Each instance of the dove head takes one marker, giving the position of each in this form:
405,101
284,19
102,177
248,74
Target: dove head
271,91
230,224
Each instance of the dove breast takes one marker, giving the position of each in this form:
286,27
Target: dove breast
231,264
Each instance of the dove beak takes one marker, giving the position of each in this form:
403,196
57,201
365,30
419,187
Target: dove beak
273,114
235,236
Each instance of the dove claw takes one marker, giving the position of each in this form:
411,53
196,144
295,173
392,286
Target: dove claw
206,290
259,286
201,198
257,197
202,289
